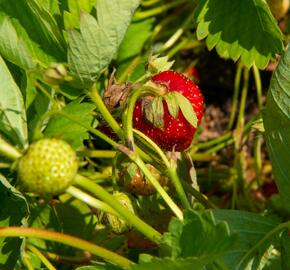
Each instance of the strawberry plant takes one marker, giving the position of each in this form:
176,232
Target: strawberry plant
144,134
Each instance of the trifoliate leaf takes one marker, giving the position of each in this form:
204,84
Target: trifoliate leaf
91,49
157,64
186,108
154,112
240,29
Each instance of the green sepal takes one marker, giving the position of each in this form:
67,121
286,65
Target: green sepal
157,64
176,101
154,112
172,104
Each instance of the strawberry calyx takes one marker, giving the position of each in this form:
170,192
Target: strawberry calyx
154,108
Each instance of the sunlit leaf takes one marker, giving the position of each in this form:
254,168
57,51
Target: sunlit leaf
240,29
93,48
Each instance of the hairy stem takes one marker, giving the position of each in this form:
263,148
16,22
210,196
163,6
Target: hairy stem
258,84
131,218
171,170
65,239
175,37
43,259
91,201
136,159
97,153
236,95
26,261
141,15
96,98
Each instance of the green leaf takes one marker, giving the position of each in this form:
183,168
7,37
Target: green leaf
68,130
12,110
154,112
13,212
139,32
240,29
277,124
72,15
251,228
34,30
48,23
93,48
170,264
13,45
186,108
200,236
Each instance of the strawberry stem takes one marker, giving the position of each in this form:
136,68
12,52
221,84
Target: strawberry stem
141,15
97,153
96,98
199,196
159,188
8,150
26,261
258,138
76,259
66,239
42,258
171,170
91,201
258,84
174,38
131,218
236,95
128,115
128,125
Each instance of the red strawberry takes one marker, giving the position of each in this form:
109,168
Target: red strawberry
176,132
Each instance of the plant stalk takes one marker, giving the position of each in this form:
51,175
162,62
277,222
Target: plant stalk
43,259
96,98
66,239
236,95
91,201
141,15
171,170
131,218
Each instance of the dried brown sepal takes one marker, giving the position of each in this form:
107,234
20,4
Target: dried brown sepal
116,94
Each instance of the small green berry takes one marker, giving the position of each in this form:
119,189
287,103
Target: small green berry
48,167
117,224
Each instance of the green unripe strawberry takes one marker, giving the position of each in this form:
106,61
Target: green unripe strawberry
48,167
117,224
